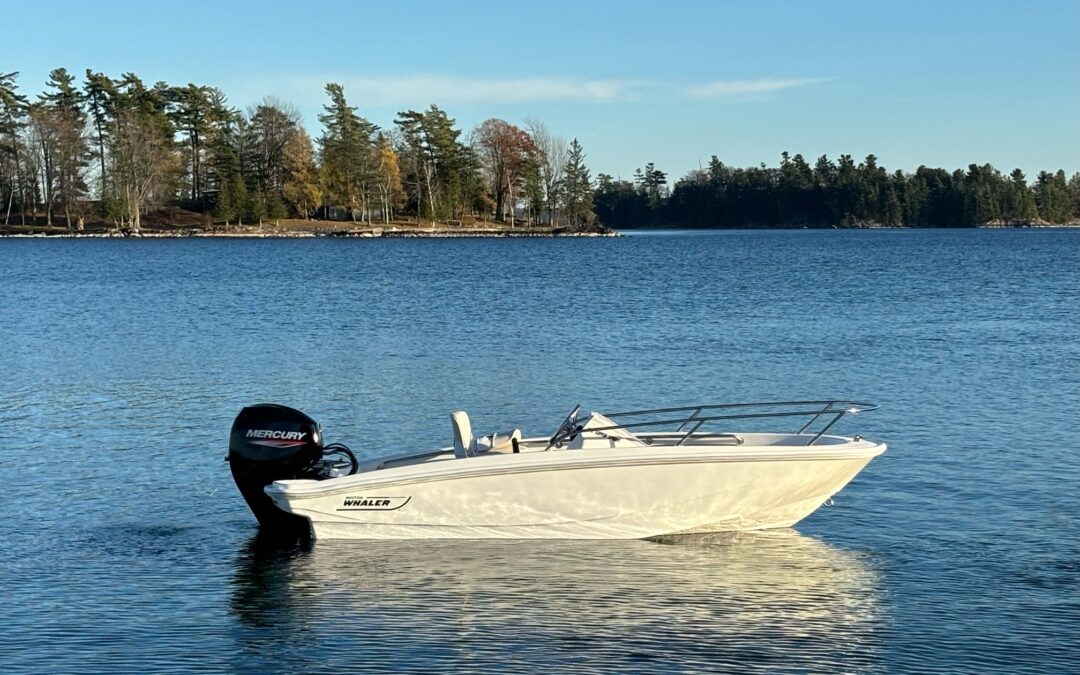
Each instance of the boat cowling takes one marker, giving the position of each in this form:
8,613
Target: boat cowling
272,442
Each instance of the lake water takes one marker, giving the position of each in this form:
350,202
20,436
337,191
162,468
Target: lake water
126,547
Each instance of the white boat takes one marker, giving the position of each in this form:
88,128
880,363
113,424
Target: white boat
626,475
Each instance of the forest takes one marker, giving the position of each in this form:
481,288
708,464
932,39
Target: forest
835,194
114,149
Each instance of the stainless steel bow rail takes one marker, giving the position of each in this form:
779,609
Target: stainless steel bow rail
822,413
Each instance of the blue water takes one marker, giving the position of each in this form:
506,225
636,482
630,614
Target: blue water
125,546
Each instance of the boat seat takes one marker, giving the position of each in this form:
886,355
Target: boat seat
502,441
464,443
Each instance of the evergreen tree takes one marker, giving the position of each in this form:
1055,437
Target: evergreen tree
1074,197
231,198
100,94
275,206
893,212
440,175
62,113
196,111
255,206
13,109
651,182
1051,197
144,167
1021,201
533,187
346,147
225,150
831,194
577,188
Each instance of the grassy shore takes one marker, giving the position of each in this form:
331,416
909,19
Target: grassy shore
175,222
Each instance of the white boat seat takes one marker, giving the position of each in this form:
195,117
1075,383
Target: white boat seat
464,444
610,438
502,441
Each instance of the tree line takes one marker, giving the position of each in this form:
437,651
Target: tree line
831,194
116,148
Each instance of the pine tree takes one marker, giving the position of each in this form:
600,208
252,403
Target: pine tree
534,189
893,211
1074,196
144,168
1051,196
225,149
231,199
100,93
275,207
13,108
577,188
1021,201
440,175
346,151
255,206
196,111
241,197
62,112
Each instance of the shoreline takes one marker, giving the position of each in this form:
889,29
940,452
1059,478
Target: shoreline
274,232
311,235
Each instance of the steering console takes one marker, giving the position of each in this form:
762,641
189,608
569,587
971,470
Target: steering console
567,430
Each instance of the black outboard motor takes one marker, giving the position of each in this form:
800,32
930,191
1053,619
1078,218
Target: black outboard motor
272,442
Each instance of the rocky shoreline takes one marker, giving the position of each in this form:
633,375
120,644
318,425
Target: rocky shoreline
274,232
369,233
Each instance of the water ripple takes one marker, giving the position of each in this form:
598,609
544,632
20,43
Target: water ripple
127,549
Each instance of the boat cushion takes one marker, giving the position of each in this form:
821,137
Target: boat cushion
501,441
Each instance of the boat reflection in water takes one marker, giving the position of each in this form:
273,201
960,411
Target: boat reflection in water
776,599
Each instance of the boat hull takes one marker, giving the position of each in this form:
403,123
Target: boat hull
582,495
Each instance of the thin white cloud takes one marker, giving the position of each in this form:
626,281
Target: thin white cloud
736,88
448,90
451,90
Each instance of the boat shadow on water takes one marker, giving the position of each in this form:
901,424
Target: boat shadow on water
693,601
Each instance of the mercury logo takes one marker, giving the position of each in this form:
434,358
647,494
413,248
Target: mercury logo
272,438
278,435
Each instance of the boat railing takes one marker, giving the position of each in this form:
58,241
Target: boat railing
688,421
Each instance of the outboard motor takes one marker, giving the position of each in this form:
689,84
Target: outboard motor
272,442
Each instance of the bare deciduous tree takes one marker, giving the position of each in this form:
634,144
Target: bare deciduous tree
144,166
551,155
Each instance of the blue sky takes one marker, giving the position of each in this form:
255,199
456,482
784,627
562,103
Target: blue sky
943,83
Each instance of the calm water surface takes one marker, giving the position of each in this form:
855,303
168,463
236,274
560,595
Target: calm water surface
125,546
